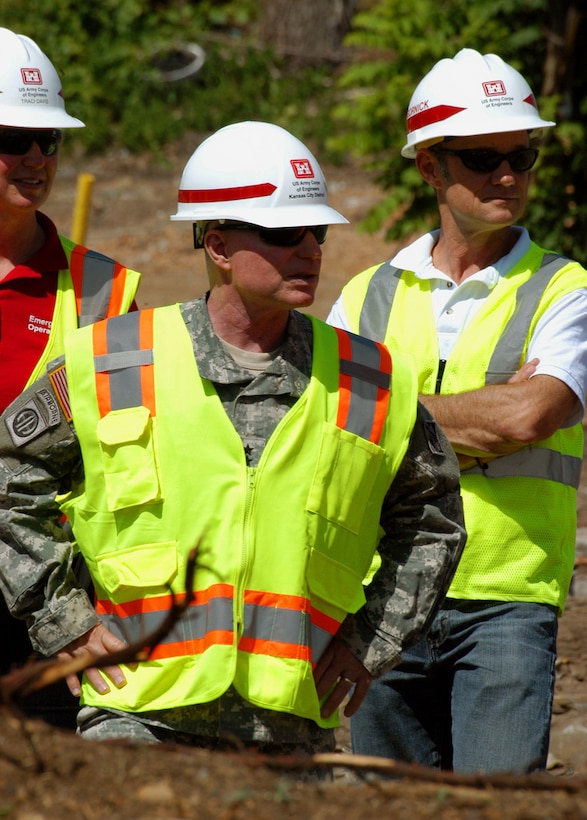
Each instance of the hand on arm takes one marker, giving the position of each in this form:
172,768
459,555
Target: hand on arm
525,372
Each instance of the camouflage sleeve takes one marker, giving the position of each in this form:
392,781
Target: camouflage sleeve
39,455
422,518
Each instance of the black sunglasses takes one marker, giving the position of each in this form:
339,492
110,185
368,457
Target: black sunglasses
282,237
18,141
485,160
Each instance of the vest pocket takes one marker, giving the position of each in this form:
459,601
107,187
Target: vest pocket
344,477
147,567
334,583
128,447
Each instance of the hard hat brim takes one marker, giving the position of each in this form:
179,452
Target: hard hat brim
22,117
411,148
278,217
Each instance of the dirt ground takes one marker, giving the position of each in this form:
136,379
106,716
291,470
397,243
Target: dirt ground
46,773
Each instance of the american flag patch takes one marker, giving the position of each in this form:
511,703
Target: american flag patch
58,379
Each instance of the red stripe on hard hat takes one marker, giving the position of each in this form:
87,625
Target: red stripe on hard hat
226,194
431,115
531,100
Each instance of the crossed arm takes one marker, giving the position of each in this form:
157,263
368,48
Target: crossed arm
502,418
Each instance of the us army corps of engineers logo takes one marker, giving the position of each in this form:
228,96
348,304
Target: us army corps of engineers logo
29,421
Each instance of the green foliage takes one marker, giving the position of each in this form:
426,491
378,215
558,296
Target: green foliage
404,38
109,55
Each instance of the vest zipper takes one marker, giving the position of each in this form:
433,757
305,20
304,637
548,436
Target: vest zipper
239,606
440,374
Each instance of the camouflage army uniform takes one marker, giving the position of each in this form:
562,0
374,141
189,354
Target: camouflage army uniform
422,519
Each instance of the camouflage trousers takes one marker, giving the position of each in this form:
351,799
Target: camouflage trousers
102,724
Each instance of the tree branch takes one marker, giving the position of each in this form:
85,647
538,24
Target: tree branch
413,771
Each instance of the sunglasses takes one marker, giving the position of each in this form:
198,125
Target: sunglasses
485,160
281,237
18,141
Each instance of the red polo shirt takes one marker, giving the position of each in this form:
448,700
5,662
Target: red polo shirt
27,302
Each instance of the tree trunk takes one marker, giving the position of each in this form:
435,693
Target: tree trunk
564,72
308,30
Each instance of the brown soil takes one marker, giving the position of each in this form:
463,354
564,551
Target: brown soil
60,775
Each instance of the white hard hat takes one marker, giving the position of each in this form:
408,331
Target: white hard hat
255,172
467,95
30,89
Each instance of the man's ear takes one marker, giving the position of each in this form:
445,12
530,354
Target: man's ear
215,247
428,164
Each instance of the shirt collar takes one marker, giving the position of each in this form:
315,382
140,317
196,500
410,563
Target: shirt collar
417,257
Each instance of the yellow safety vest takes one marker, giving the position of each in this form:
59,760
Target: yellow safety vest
520,510
283,546
92,287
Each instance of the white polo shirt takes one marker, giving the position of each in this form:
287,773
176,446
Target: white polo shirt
560,338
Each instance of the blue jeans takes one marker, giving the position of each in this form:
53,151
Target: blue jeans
475,695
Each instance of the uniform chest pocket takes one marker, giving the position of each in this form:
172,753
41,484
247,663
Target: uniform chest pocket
345,475
129,458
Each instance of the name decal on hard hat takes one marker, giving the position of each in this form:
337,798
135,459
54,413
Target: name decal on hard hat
430,115
224,194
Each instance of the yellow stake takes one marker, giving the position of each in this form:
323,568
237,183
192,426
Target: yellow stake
82,208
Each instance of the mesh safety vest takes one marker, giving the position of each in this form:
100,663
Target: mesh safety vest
283,547
91,288
520,510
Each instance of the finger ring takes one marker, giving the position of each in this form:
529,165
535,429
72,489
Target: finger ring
346,680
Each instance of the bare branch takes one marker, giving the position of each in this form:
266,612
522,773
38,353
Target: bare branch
413,771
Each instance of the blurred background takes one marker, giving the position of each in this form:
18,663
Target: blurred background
143,74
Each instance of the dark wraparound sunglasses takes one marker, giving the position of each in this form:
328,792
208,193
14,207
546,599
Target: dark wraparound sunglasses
18,141
485,160
282,237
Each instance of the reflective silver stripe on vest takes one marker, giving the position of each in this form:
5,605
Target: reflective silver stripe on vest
534,462
367,378
376,308
321,638
195,623
288,626
270,623
506,356
97,279
262,623
124,361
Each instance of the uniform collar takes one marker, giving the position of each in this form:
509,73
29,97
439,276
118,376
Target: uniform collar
291,367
